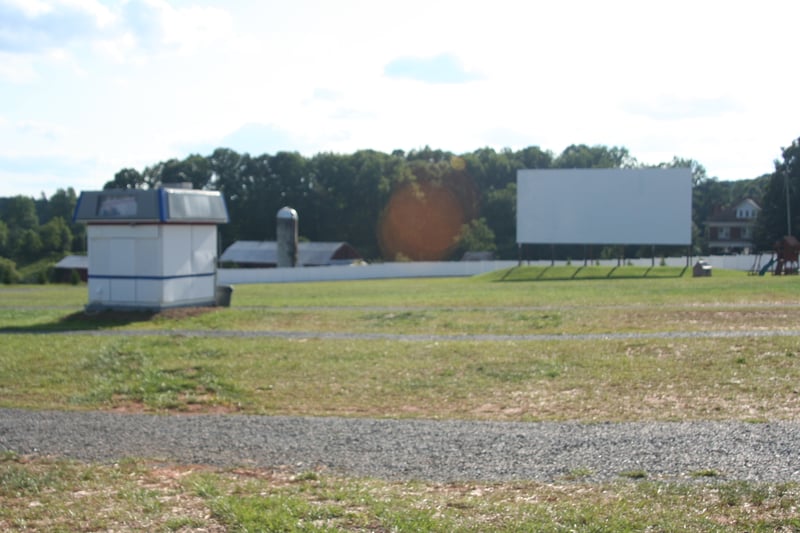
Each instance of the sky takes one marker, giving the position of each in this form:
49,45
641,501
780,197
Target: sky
90,87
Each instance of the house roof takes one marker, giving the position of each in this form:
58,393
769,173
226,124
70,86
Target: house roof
729,214
163,205
478,256
308,253
77,262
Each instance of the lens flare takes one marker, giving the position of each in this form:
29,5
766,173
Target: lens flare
421,222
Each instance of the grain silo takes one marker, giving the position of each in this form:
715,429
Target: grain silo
287,236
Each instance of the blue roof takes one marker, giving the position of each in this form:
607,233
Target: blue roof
163,205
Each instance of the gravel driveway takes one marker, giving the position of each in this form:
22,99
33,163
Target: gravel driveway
419,449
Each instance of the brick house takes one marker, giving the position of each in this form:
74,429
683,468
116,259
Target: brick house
731,230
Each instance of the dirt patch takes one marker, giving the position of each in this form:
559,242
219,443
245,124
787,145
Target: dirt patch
178,313
125,406
115,318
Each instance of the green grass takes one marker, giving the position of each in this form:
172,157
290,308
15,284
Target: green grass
572,272
682,378
47,494
135,374
444,321
57,495
691,379
54,295
449,376
481,305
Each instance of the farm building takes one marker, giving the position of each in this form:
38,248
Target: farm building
78,263
264,254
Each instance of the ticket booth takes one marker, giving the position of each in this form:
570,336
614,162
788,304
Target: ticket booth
151,249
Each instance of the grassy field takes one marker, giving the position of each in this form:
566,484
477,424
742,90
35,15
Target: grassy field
56,495
509,345
478,348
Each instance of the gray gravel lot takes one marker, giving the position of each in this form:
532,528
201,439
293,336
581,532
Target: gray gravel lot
419,449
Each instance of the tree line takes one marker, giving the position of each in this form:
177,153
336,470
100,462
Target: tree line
37,231
352,197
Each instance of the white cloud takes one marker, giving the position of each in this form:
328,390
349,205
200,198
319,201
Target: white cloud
131,83
23,143
441,68
33,26
678,108
16,68
119,49
253,138
129,32
40,130
31,8
156,25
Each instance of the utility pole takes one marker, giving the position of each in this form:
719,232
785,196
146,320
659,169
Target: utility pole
788,208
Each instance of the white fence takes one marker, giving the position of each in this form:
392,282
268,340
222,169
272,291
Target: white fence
234,276
230,276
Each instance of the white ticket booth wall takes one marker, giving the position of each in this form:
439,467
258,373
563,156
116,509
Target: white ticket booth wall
151,249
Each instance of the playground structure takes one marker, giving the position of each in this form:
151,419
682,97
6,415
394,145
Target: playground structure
786,254
784,260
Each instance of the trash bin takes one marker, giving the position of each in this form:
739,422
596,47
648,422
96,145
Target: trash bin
701,269
223,295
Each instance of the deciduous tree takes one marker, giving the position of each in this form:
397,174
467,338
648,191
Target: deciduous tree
127,178
20,213
780,209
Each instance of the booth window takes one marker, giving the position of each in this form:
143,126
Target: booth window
117,205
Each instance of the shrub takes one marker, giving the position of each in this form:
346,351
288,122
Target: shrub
8,271
40,272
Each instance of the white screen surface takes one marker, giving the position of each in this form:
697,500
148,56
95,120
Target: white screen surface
605,206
